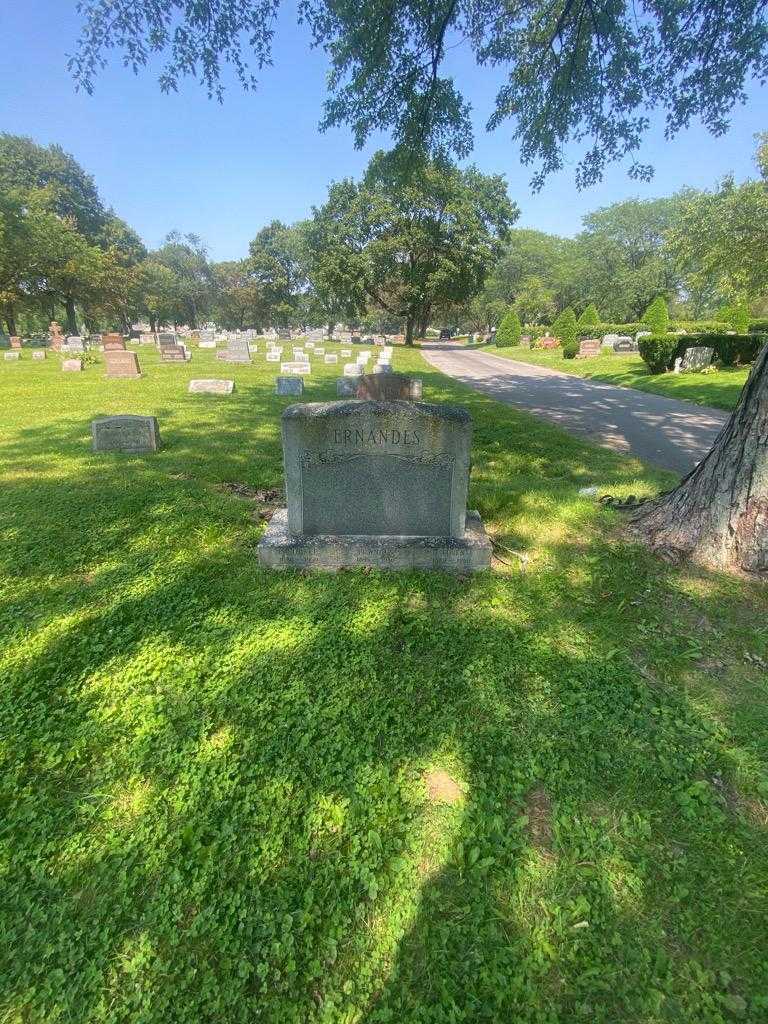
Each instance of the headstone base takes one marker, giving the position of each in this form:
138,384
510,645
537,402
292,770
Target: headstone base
278,549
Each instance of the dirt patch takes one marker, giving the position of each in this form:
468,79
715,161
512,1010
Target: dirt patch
441,788
263,495
538,808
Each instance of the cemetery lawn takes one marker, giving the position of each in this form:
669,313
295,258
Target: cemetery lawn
535,795
719,390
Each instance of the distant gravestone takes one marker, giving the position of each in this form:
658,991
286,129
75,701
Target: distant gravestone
589,347
11,356
209,337
345,353
353,369
273,357
330,358
289,386
549,342
381,484
284,334
147,339
525,343
113,342
167,339
384,387
72,365
75,343
173,354
125,434
624,343
237,350
15,342
416,388
698,357
296,367
211,386
346,387
39,353
121,364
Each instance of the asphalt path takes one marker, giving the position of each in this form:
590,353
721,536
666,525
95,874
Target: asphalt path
664,431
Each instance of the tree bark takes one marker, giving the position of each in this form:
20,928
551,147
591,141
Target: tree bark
718,514
409,329
69,305
10,319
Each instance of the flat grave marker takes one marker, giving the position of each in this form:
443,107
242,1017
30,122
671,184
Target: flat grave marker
211,386
289,386
295,367
121,364
125,434
72,365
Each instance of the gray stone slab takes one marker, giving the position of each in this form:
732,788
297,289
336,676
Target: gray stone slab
346,387
125,434
11,357
72,365
211,386
289,386
295,367
280,549
121,364
173,354
697,357
384,387
364,467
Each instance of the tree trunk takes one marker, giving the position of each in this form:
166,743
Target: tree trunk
10,319
409,329
71,318
718,515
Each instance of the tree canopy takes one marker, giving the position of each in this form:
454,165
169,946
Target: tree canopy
576,71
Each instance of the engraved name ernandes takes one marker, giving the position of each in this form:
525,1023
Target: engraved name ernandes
360,438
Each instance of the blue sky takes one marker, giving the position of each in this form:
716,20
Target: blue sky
185,162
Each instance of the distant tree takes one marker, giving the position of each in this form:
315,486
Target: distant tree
275,261
576,71
239,296
410,245
186,256
535,303
656,316
509,330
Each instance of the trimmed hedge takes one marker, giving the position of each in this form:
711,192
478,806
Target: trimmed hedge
509,330
656,317
659,351
570,350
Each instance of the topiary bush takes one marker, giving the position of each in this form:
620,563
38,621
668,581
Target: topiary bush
656,317
660,350
564,327
570,350
589,317
509,330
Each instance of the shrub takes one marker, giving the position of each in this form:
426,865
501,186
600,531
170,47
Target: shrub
590,317
659,351
758,327
509,330
656,317
570,350
564,327
701,326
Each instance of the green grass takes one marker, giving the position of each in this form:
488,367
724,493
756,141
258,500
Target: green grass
215,780
720,390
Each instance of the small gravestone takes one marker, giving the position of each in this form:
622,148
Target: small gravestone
167,339
273,357
384,387
346,387
588,348
624,343
121,364
378,484
525,343
207,339
237,350
345,353
211,386
125,434
296,367
330,358
609,340
289,386
75,343
11,356
72,365
696,358
352,369
39,353
15,342
206,344
113,342
284,335
416,388
319,350
549,342
147,339
173,354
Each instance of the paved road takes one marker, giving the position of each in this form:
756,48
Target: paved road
672,434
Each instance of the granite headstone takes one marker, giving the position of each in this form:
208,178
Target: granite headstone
125,434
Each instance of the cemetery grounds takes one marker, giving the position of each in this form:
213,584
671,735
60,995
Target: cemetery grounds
537,794
719,389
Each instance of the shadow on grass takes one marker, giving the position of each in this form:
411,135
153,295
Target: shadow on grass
215,804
